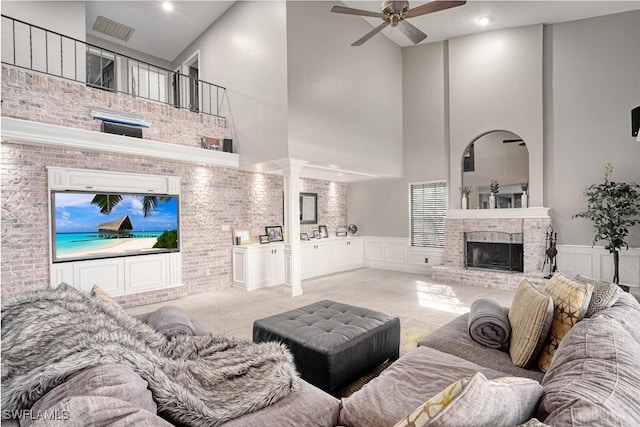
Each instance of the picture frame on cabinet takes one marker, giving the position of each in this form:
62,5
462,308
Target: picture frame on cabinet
324,233
241,236
316,234
274,233
304,236
264,239
341,232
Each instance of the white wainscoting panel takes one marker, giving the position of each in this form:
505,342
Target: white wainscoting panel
598,262
395,253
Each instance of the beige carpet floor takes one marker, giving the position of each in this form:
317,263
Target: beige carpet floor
421,304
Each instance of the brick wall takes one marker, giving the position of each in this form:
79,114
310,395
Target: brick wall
212,198
533,230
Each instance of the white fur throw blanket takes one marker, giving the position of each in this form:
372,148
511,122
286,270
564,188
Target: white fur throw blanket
195,380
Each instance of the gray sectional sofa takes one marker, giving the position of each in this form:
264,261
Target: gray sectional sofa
594,380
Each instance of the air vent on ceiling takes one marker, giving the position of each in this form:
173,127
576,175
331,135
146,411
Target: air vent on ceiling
113,28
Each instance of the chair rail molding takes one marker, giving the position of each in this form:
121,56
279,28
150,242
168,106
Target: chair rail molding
42,134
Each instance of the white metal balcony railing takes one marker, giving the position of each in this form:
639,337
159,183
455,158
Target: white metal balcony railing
38,49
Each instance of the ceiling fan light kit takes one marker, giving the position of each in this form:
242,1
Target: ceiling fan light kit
395,14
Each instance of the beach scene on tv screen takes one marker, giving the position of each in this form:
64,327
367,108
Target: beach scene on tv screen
90,225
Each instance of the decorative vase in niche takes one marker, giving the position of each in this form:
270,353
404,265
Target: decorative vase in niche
525,200
492,201
465,202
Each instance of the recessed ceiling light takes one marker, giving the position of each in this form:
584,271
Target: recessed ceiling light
167,6
484,20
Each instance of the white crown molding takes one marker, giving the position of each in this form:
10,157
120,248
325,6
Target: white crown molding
47,135
535,212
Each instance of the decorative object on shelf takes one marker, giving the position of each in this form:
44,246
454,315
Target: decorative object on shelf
241,236
210,143
316,234
324,233
304,236
494,188
264,239
465,190
274,232
614,207
341,231
524,186
550,254
353,229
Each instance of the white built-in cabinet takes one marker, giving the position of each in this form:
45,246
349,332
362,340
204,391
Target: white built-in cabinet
119,275
256,266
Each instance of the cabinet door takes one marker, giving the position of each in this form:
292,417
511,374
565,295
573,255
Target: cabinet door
341,255
277,267
324,258
308,260
355,253
260,265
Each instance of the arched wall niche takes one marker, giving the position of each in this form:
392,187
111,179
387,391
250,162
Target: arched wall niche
496,155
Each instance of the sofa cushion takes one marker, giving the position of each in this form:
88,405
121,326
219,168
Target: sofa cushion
594,377
503,401
405,385
96,411
625,311
453,338
109,380
604,294
307,406
570,302
530,317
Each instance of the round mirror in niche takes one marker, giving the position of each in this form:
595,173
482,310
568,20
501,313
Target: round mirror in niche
498,157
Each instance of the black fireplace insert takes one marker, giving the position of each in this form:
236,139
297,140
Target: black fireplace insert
494,250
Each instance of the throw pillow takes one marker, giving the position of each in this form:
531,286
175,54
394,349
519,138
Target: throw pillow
530,319
99,293
604,294
478,401
570,302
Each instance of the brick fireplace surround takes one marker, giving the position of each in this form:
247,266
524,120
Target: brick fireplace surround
532,222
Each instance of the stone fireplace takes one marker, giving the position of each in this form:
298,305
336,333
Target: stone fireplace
494,248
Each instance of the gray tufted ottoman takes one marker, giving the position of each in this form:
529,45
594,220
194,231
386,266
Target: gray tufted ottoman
332,343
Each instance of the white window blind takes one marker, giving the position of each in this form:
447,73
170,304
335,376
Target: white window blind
428,207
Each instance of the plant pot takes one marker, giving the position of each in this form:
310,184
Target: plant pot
464,204
492,201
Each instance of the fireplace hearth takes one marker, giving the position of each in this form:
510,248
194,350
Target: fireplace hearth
492,250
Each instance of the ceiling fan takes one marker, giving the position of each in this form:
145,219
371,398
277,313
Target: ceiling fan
395,13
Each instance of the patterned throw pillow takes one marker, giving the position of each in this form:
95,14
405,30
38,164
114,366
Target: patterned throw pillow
570,301
604,294
530,319
98,292
478,401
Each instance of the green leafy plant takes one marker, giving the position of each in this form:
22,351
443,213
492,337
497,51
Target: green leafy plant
494,187
168,239
465,190
613,207
524,186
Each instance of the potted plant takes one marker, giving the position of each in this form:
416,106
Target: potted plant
465,190
494,188
524,186
613,207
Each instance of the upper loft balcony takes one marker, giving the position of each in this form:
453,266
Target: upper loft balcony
40,50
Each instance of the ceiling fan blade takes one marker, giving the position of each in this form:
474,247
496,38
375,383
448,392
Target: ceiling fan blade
434,6
371,33
412,33
359,12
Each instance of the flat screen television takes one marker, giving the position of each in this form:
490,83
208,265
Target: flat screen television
90,225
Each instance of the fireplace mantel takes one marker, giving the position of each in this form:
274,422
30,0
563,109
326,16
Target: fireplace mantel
539,212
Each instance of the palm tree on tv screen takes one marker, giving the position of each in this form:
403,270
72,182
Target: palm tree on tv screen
106,203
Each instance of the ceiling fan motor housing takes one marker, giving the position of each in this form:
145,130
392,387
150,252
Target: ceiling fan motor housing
389,7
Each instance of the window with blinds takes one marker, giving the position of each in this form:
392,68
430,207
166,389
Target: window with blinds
428,207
